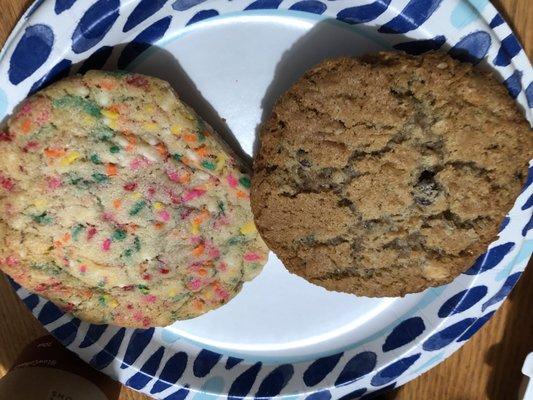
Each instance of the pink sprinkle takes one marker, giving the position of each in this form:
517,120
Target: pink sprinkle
214,252
26,108
232,181
252,256
106,245
107,216
138,316
11,261
31,145
151,192
40,287
222,267
54,182
164,215
194,284
91,232
222,293
83,268
192,194
150,298
7,183
173,176
135,164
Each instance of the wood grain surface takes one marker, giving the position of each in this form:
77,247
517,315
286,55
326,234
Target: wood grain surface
487,367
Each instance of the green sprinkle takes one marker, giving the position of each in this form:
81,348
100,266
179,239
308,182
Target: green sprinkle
201,136
119,234
128,252
209,165
137,243
245,181
137,207
76,230
177,156
221,206
144,289
236,240
99,178
42,219
101,300
103,133
95,159
114,149
88,106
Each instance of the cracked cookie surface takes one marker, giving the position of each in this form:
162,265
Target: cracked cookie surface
118,203
387,174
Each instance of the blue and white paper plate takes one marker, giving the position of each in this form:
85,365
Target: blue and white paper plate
230,60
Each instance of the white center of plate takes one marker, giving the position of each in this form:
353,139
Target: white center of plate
231,70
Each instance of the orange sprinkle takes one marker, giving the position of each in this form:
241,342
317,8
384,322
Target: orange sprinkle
117,203
54,153
57,244
189,138
111,169
199,305
132,227
158,225
26,126
201,151
108,85
241,194
161,149
201,218
202,272
198,250
185,177
206,133
66,237
114,108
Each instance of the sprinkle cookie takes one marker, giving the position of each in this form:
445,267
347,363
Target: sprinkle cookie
119,204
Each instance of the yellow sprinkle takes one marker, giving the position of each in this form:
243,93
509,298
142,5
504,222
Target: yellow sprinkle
150,126
86,119
110,114
221,161
172,292
195,230
70,158
175,129
40,203
136,195
113,124
149,108
158,206
248,228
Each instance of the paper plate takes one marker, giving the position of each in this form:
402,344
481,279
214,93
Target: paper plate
230,60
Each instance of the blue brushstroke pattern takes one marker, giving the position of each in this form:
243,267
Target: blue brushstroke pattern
311,6
96,60
364,13
93,335
417,47
143,10
32,51
182,5
232,361
243,383
275,381
354,395
504,223
496,21
201,15
172,371
529,95
415,13
358,366
58,71
444,337
462,301
104,357
264,5
49,313
320,368
472,47
405,332
63,5
143,41
490,259
503,292
179,395
94,25
509,48
322,395
140,338
394,370
140,379
514,84
529,225
31,301
204,362
66,333
475,327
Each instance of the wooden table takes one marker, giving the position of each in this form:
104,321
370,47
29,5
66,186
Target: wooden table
487,367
